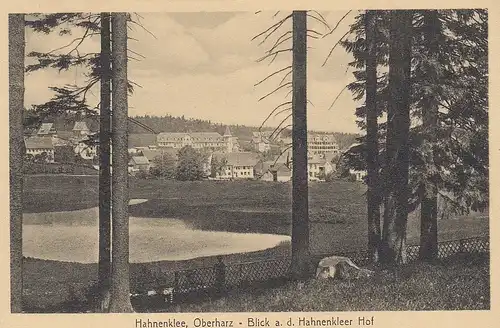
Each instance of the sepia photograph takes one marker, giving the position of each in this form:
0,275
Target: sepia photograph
249,161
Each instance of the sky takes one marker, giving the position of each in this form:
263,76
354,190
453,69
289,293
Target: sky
204,65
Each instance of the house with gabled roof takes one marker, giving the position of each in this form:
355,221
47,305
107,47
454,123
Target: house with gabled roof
276,171
238,165
138,163
80,129
47,129
39,145
151,154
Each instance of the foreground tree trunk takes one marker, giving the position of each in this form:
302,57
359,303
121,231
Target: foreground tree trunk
373,196
428,210
120,280
104,167
397,148
16,154
300,208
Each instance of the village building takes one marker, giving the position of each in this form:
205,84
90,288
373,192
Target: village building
80,140
211,141
151,154
237,165
80,129
319,144
318,167
359,175
39,146
47,129
263,140
278,172
85,150
140,141
138,163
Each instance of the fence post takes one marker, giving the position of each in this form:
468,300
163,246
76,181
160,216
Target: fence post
220,275
461,248
176,280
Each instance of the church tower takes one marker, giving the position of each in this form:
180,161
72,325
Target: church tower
228,140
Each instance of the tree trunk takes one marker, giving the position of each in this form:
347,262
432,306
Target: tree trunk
373,197
300,208
16,154
104,168
428,210
120,284
397,148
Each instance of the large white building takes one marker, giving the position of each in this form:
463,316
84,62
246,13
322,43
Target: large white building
211,141
319,144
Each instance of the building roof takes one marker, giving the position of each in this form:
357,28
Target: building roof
205,136
38,143
151,154
282,170
141,140
80,126
196,136
46,128
57,141
227,133
274,166
139,160
239,158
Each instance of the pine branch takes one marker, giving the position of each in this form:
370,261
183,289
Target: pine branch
273,27
322,21
275,90
283,111
338,96
273,111
274,53
333,48
272,74
338,23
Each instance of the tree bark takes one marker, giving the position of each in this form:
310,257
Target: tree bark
428,210
373,197
120,280
397,148
300,266
104,167
16,154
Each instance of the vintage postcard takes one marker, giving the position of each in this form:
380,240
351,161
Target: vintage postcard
249,165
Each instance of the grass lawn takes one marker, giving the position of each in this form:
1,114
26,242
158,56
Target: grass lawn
337,212
460,282
457,283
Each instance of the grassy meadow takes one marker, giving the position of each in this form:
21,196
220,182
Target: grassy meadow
337,212
455,283
337,209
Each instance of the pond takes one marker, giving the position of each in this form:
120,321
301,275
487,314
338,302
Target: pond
73,236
